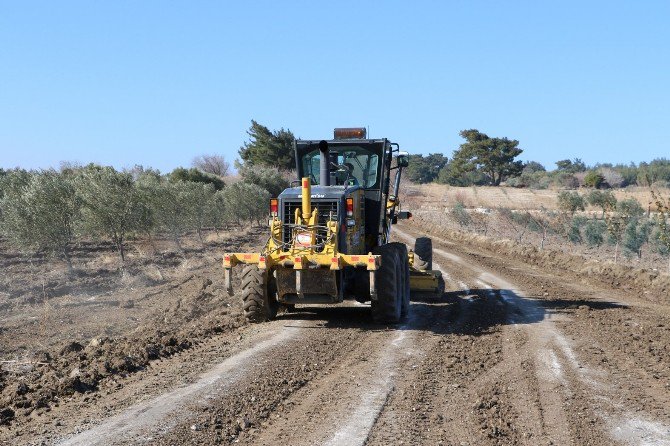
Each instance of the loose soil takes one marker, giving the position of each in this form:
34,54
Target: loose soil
512,353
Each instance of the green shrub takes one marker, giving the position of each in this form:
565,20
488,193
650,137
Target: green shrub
630,208
460,214
195,175
594,232
266,177
571,202
574,232
635,236
594,179
603,199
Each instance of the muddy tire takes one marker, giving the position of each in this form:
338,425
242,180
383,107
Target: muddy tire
403,265
387,308
258,296
423,253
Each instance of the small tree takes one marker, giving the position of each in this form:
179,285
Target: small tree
112,205
268,178
212,164
618,217
199,199
517,222
460,214
602,199
594,231
663,223
196,176
574,232
175,207
636,235
594,179
571,202
246,202
217,212
40,212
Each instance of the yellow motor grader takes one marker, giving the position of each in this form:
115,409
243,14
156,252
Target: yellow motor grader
330,235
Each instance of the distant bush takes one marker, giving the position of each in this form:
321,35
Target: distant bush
602,199
246,202
630,207
594,232
266,177
571,202
594,179
460,214
197,176
574,232
635,236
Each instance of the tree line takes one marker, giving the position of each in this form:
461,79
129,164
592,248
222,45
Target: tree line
482,160
622,224
49,211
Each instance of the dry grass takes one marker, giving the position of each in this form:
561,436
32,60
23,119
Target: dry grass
435,196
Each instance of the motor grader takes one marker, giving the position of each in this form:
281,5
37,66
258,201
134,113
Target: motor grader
330,235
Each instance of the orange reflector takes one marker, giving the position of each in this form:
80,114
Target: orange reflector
350,133
274,207
350,207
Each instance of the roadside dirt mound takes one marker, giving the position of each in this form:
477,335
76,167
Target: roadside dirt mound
76,370
647,283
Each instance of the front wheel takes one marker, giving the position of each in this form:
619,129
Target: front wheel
388,305
258,294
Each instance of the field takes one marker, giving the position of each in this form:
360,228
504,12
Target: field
526,346
490,197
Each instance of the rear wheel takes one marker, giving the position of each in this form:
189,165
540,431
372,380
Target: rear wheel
423,253
258,294
387,307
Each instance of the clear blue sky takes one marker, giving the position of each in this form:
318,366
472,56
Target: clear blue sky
158,82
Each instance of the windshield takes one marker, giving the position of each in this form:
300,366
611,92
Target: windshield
357,166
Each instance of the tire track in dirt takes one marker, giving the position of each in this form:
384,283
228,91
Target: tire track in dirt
152,417
574,399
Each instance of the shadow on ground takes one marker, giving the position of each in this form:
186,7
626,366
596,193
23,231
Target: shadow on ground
472,312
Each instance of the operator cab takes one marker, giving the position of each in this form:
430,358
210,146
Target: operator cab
350,164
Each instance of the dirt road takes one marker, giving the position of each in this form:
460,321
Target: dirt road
509,355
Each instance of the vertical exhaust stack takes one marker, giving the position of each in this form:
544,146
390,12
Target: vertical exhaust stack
324,169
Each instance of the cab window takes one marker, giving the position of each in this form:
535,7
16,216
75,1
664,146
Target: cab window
357,166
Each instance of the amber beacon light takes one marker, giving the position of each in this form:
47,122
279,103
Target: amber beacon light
350,133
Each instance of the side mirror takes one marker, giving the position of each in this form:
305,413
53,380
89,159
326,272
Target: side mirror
402,160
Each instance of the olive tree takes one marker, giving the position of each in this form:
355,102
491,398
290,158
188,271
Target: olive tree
40,212
112,205
618,217
268,178
246,202
169,208
198,199
663,224
602,199
571,202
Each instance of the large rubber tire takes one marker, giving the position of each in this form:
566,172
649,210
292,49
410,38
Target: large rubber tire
423,253
403,265
258,296
387,307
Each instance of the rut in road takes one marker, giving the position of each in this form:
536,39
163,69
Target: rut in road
480,365
553,394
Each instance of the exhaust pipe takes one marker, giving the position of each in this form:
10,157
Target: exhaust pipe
324,168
